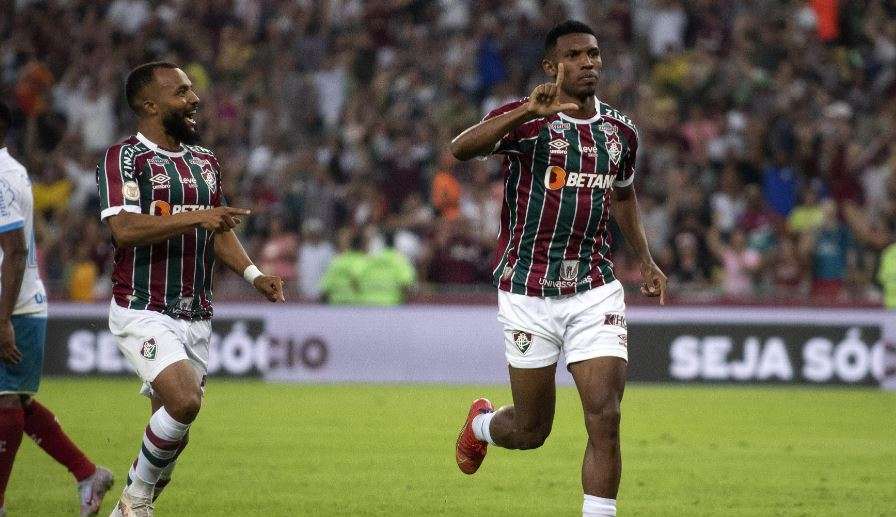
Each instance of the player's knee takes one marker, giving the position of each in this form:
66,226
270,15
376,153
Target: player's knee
604,421
185,407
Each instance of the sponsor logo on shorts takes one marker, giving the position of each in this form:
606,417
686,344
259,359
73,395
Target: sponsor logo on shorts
522,340
615,319
149,349
623,340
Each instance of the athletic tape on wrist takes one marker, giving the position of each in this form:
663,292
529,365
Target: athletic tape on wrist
251,273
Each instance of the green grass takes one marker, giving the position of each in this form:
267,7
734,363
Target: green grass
294,450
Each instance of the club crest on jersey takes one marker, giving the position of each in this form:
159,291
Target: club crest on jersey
558,146
614,149
558,126
569,270
130,191
522,340
148,350
209,178
608,129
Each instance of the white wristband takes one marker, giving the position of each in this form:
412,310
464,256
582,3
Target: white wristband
251,273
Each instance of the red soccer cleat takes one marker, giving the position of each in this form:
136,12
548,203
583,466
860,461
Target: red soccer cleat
471,451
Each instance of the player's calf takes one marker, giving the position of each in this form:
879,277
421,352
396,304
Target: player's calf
510,431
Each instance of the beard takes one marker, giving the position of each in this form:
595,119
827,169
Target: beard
175,124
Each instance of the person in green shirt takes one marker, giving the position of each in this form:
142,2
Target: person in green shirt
340,284
356,277
886,275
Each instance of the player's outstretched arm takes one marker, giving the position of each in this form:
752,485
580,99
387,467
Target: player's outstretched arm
628,217
230,251
12,270
130,229
480,140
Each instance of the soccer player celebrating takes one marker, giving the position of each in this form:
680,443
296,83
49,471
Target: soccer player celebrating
23,329
568,165
161,196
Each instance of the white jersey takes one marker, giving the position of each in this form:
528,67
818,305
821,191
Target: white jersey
17,212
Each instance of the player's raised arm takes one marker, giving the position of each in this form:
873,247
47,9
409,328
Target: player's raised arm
480,140
131,229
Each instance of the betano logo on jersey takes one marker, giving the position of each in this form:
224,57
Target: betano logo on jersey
556,178
159,207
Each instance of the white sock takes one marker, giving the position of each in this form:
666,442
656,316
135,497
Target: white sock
161,440
598,507
481,427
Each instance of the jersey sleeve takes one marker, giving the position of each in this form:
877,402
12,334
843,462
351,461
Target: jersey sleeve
626,174
514,141
116,180
11,216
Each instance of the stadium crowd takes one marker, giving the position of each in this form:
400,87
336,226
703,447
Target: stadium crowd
765,169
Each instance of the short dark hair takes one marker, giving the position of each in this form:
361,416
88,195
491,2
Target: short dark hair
138,78
5,121
567,27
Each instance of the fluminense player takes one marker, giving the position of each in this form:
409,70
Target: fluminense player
569,163
161,196
23,330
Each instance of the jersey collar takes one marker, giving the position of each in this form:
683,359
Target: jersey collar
153,147
591,120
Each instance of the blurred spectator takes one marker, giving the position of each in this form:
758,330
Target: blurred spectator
887,276
828,250
339,111
278,254
315,254
739,262
341,283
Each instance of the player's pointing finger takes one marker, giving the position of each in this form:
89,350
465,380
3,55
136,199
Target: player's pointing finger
238,211
560,74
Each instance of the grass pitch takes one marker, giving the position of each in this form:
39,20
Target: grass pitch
294,450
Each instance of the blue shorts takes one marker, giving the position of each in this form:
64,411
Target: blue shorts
24,378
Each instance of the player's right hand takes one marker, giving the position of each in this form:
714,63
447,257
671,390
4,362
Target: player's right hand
9,352
544,102
220,218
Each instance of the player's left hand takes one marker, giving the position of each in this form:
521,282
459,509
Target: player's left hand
271,287
9,352
654,282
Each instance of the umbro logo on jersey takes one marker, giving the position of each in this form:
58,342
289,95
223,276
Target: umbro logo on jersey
160,181
558,146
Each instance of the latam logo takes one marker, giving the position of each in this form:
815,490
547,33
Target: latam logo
159,207
555,178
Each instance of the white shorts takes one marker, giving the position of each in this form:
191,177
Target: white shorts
584,326
152,341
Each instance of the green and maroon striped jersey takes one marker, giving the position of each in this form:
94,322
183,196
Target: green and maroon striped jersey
558,175
175,276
